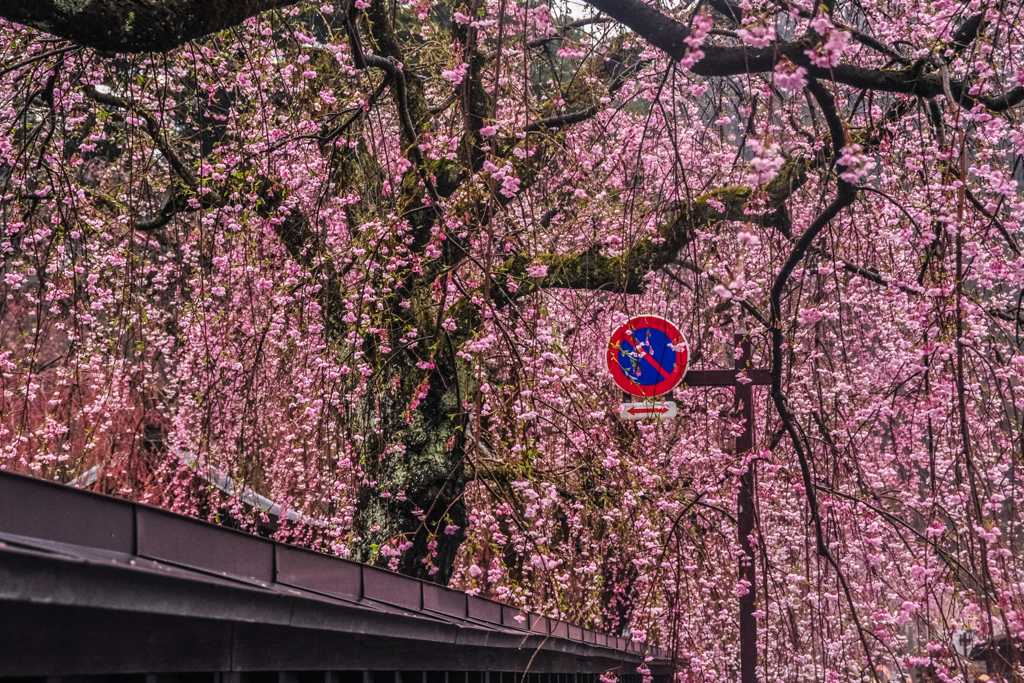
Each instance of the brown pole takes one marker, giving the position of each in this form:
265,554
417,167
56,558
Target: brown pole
744,405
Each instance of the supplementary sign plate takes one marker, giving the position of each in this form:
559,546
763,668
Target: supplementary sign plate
662,410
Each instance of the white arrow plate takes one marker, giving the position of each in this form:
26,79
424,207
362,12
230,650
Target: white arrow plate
662,410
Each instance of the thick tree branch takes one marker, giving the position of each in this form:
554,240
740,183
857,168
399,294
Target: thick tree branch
627,272
143,26
152,128
134,25
176,197
670,35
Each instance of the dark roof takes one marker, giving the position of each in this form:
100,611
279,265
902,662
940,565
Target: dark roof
85,574
987,649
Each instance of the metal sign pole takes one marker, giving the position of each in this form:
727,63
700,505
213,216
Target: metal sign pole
743,398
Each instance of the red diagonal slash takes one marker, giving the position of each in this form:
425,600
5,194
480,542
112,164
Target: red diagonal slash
644,355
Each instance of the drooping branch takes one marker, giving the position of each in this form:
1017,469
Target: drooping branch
134,25
845,196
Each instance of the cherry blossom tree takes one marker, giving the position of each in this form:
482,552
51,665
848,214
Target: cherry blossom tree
363,259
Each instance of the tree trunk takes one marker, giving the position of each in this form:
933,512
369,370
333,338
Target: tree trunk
413,459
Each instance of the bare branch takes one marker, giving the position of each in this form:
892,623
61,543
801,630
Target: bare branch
579,23
36,58
561,120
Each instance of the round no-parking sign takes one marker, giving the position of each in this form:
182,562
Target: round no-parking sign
647,356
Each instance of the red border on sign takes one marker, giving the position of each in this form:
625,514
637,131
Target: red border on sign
619,375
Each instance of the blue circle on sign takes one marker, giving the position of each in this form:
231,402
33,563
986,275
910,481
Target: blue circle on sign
646,356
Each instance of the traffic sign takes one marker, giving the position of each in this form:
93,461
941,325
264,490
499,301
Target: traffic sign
647,356
664,410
